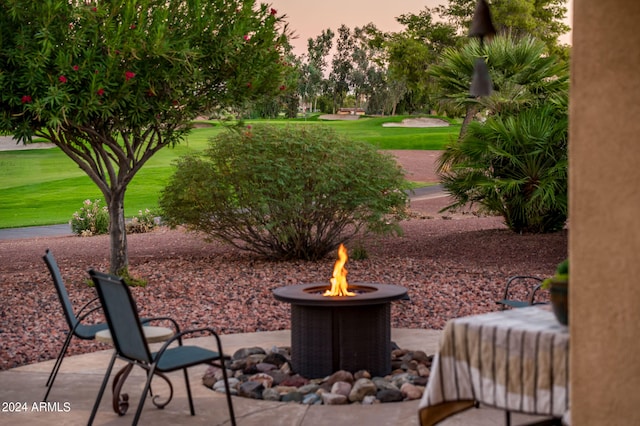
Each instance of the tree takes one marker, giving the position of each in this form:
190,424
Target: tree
113,82
542,19
313,70
341,66
411,52
291,192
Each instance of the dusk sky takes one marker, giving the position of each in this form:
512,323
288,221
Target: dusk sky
308,19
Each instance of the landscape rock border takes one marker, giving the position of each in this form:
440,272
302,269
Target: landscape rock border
256,373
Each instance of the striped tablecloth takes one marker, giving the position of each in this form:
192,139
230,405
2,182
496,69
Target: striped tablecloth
516,360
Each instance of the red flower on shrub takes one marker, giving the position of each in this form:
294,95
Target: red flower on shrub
100,91
273,11
128,75
283,87
75,68
62,79
246,37
26,99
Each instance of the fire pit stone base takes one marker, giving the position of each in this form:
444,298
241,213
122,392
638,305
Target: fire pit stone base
260,374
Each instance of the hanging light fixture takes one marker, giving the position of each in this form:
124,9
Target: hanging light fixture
481,27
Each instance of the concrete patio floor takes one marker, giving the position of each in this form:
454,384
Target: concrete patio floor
79,379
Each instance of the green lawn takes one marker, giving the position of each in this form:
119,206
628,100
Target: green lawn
43,187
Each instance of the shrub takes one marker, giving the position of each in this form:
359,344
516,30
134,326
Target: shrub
91,219
291,192
145,221
514,166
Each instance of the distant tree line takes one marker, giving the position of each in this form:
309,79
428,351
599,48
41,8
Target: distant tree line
388,73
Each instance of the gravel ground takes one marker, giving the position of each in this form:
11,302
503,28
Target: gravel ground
452,265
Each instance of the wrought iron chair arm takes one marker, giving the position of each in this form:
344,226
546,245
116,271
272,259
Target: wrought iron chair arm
85,315
86,306
532,299
178,336
515,280
171,320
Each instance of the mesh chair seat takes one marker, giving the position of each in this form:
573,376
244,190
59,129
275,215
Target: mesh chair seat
184,356
88,331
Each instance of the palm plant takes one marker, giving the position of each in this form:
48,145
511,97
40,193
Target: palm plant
515,163
514,166
522,75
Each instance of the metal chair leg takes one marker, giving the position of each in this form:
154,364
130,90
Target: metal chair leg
186,382
227,389
56,366
143,396
96,404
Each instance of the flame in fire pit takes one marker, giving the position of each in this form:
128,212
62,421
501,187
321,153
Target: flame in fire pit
339,285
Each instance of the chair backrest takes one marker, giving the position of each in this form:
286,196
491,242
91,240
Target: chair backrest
67,307
122,316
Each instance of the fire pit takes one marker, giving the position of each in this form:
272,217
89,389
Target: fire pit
346,332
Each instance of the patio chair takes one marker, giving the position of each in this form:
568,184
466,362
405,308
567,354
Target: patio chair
131,346
518,285
76,327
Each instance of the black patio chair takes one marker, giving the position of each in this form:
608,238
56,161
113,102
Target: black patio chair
76,327
130,344
518,285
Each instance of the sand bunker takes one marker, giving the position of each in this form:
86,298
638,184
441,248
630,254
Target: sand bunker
418,122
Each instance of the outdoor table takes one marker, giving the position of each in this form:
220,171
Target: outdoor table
515,360
120,402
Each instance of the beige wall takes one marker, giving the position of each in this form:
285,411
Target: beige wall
604,237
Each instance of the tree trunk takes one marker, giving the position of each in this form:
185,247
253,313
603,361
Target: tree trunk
119,263
472,110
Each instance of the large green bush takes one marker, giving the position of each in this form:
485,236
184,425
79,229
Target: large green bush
515,163
515,166
291,192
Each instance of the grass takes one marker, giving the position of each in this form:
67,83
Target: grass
43,187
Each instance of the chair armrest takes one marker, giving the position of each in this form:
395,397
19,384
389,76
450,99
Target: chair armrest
86,314
520,280
178,337
533,293
144,321
86,306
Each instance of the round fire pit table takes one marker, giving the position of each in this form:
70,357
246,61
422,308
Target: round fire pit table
331,333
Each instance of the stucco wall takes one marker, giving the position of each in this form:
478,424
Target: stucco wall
604,237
